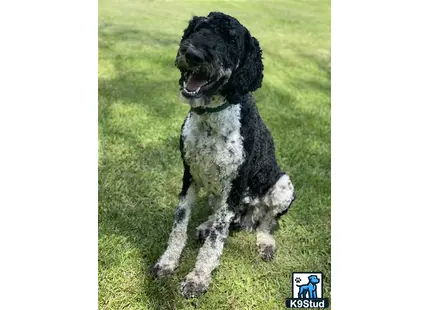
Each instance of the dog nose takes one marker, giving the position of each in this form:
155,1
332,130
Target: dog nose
193,56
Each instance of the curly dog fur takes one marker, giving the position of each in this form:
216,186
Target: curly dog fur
225,146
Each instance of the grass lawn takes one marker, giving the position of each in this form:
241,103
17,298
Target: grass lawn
140,168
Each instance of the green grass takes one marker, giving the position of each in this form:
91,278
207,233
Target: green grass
140,169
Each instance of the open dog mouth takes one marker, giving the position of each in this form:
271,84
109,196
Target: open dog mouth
195,84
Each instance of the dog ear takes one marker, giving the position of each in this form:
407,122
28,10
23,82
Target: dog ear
191,26
249,74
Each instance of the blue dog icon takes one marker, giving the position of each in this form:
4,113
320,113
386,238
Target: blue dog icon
309,289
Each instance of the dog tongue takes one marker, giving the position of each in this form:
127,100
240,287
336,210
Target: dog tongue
196,80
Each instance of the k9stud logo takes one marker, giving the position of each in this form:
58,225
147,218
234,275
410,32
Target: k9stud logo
307,291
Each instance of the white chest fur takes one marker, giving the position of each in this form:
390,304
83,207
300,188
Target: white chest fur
213,147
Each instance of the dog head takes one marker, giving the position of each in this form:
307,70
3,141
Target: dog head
314,279
218,56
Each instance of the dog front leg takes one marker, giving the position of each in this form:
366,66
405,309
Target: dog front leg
198,280
167,263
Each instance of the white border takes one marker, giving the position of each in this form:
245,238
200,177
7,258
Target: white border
48,155
380,153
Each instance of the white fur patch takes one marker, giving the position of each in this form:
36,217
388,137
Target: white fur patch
280,196
277,200
213,148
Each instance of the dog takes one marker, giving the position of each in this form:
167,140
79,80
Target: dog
309,289
225,147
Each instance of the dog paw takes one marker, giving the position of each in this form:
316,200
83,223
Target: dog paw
267,252
193,286
161,271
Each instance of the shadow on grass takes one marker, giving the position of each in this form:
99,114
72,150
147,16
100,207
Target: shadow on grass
320,62
138,88
134,202
135,180
154,87
109,34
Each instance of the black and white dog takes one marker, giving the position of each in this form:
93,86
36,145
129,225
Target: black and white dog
226,148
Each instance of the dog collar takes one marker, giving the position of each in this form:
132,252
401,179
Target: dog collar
200,110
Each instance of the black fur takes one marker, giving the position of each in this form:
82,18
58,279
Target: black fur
180,215
187,178
223,42
260,170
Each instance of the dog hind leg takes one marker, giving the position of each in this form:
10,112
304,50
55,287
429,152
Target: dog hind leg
280,197
277,200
